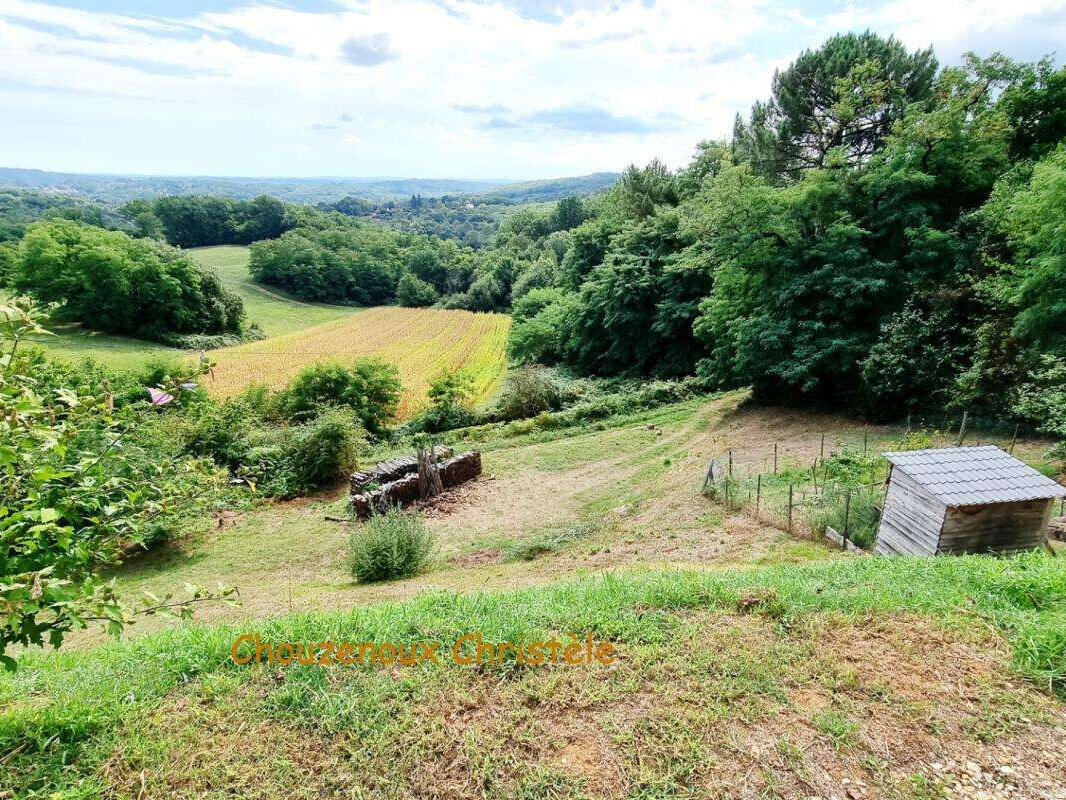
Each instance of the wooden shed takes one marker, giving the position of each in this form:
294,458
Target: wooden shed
964,500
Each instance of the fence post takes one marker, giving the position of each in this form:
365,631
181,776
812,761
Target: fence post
865,434
790,508
847,515
962,428
758,494
731,462
775,458
821,453
814,476
1013,438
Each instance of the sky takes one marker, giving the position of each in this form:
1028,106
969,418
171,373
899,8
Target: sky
479,89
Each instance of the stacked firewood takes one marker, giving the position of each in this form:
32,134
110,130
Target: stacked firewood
409,488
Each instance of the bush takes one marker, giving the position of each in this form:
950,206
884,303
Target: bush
388,546
279,460
318,455
414,292
370,387
527,392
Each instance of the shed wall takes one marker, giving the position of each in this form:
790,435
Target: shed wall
912,519
998,527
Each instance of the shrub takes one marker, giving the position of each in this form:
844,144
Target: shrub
414,292
326,450
528,391
79,481
388,546
370,387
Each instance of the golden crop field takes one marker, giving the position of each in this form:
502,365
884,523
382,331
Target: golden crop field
421,342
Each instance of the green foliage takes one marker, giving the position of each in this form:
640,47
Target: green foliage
331,258
450,393
389,546
305,458
527,392
413,292
1034,221
841,98
113,283
276,459
202,220
82,481
370,387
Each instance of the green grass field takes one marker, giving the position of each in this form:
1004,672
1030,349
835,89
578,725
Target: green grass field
275,313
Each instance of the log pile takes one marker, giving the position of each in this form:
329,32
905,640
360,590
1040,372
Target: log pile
393,469
405,490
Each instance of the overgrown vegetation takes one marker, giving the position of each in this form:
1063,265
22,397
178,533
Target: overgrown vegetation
83,480
878,235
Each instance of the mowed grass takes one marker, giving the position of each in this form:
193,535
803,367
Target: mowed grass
421,342
764,682
269,308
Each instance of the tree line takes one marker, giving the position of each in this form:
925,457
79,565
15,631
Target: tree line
881,234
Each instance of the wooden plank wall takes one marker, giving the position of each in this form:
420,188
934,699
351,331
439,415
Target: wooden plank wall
1000,527
911,521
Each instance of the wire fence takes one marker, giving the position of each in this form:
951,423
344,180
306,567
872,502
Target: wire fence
841,490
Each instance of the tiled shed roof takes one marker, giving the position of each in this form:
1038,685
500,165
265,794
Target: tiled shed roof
970,476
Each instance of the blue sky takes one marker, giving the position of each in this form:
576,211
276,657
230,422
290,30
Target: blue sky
427,88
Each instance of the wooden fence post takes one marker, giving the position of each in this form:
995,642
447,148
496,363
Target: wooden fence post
962,428
775,458
821,453
847,514
758,494
790,508
730,462
865,434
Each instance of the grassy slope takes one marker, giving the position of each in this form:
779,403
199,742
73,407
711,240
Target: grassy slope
275,313
702,654
778,680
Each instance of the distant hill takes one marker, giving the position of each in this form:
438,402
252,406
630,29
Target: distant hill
549,190
120,188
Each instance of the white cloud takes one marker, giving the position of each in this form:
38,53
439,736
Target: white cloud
463,88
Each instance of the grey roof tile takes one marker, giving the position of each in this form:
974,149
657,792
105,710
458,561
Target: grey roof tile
962,476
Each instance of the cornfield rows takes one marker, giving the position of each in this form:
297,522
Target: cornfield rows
420,342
